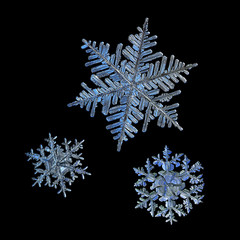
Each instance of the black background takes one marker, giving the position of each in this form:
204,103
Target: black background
52,66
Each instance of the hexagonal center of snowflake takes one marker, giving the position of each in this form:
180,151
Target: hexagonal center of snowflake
57,166
62,169
168,185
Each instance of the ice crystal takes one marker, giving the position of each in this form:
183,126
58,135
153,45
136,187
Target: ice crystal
169,186
131,89
61,164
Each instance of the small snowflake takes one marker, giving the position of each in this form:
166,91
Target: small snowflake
169,186
132,89
57,163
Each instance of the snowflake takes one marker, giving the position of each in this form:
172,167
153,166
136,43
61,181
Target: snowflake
58,162
133,85
168,186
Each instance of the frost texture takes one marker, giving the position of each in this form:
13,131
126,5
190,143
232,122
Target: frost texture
169,186
133,89
61,164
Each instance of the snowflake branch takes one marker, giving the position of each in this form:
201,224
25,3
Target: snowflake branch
104,58
100,94
160,75
122,136
155,105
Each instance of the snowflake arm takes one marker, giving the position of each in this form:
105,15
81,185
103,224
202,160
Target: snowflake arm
149,200
130,90
147,176
162,76
60,164
138,55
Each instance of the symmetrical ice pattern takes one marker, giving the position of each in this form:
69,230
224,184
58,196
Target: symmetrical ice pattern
132,89
58,165
168,187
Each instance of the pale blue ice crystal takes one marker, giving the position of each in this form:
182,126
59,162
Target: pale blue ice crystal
168,187
59,165
132,89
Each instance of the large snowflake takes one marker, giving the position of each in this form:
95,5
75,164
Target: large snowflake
132,85
61,164
169,186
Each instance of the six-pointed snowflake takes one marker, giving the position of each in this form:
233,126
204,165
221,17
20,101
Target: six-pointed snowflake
133,86
58,163
169,186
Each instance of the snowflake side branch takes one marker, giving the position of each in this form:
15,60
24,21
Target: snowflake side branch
165,97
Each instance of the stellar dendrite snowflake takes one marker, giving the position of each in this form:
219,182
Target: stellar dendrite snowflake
133,85
169,186
58,162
